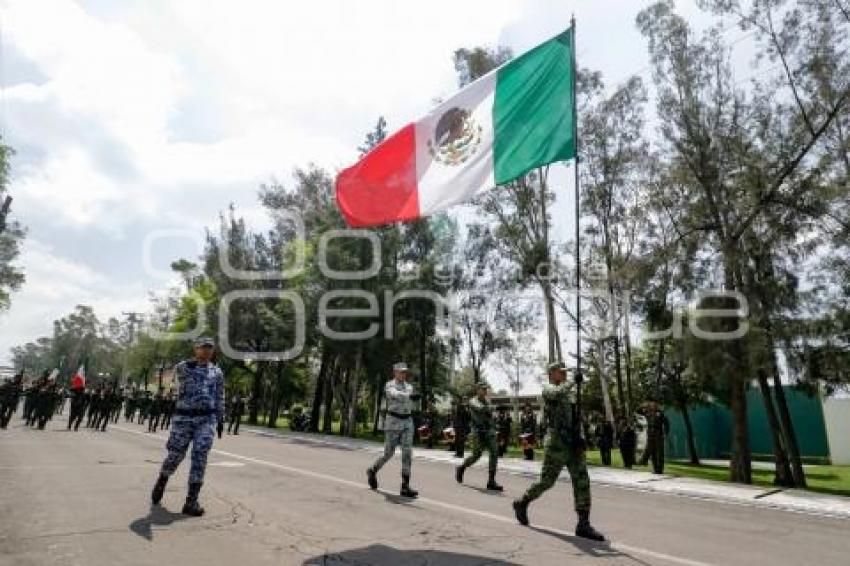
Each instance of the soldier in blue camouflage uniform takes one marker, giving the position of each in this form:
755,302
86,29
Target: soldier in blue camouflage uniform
563,449
398,429
483,436
199,406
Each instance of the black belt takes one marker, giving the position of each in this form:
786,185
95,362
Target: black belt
398,415
194,412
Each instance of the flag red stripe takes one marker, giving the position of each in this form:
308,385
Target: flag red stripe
381,187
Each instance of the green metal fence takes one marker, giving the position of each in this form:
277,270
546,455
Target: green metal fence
713,427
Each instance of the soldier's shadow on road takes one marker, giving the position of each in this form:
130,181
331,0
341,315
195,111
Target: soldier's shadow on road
381,555
485,491
399,500
159,517
589,547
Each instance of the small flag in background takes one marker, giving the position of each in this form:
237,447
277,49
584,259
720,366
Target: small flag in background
496,129
79,379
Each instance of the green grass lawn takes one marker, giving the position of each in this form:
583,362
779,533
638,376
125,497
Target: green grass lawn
833,480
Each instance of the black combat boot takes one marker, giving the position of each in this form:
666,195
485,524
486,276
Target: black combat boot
192,507
459,474
406,491
521,511
372,477
492,485
159,489
585,530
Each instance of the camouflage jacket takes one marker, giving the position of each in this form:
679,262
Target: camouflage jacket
200,387
482,415
399,402
558,407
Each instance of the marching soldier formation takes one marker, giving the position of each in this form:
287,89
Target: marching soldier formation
198,409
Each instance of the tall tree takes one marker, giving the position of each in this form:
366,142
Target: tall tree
11,234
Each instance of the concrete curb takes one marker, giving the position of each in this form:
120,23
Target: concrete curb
791,500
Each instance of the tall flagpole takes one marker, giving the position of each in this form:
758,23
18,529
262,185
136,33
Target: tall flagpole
577,216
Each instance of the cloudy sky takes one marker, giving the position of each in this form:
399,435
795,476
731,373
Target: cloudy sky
133,117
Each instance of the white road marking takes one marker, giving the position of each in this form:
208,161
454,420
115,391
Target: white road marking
437,503
758,502
75,466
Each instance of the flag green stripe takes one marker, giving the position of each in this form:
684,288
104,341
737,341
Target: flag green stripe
533,110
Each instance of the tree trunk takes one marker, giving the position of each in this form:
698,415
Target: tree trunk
423,369
318,394
627,341
603,383
355,389
551,323
271,397
618,372
783,475
659,367
689,430
344,402
327,421
546,284
740,463
256,394
797,470
276,396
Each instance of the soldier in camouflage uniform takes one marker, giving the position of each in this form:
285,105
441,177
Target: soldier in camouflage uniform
398,429
168,410
156,411
78,407
10,394
563,449
199,406
130,407
657,427
483,437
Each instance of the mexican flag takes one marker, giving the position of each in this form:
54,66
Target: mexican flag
496,129
79,379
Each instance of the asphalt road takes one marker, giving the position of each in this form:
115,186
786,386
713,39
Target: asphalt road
83,498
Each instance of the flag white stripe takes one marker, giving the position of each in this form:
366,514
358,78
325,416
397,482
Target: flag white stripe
441,184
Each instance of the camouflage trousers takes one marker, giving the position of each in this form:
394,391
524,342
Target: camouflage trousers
199,431
393,439
555,459
481,442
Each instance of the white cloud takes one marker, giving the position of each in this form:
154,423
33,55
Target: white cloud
55,285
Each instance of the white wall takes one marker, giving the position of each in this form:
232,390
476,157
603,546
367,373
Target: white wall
836,414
